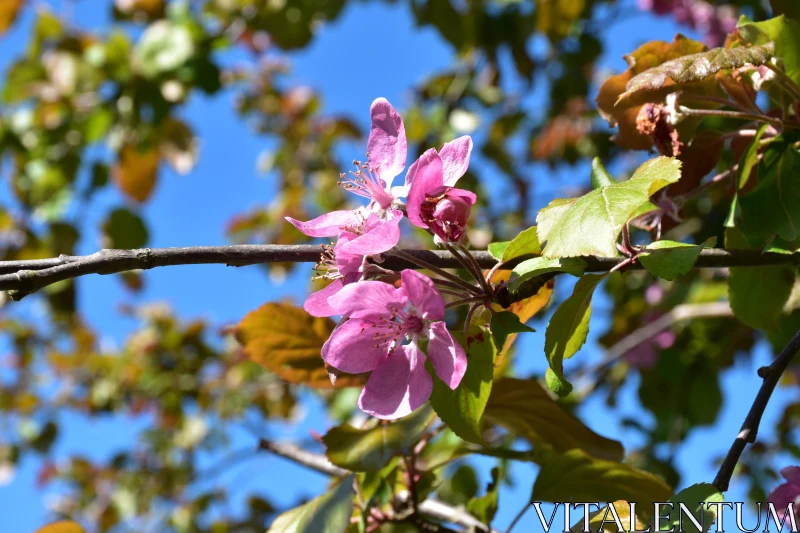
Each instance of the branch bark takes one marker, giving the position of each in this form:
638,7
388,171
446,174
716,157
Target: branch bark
431,507
21,278
749,429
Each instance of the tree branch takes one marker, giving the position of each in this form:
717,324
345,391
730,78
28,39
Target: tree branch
749,429
431,507
21,278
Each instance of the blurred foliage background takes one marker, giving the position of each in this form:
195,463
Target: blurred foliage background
92,119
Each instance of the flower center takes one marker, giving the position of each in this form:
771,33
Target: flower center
364,181
326,267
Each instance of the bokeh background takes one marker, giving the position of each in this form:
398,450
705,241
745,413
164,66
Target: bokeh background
96,434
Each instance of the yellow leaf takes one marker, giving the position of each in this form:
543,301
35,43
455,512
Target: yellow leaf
62,526
288,341
137,170
524,309
9,9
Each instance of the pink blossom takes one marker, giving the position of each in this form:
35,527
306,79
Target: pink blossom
377,224
433,202
380,317
788,492
346,261
714,21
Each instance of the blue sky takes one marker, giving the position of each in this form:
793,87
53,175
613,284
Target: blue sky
193,210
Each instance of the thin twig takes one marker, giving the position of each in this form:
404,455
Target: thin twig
433,268
27,276
749,429
430,508
641,335
465,301
736,115
518,517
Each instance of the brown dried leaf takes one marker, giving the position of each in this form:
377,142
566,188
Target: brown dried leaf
288,341
647,56
696,67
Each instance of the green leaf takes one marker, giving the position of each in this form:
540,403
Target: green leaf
485,507
757,294
784,32
669,259
575,476
365,450
537,266
125,229
773,206
591,226
549,215
600,176
569,326
504,324
750,158
527,242
693,498
524,408
329,513
696,67
461,409
496,249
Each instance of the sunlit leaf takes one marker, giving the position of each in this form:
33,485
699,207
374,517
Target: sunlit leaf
695,67
288,341
537,266
329,513
461,409
600,176
574,476
567,329
783,31
695,499
496,249
597,523
592,225
524,408
368,450
527,242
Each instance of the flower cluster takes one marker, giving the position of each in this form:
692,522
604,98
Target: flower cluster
715,22
788,492
385,327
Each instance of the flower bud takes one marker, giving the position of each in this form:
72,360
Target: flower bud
449,216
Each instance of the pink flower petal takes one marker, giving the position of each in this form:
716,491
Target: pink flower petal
467,196
317,303
367,299
455,159
448,357
353,347
791,474
327,225
422,294
397,387
387,141
379,238
782,496
424,178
